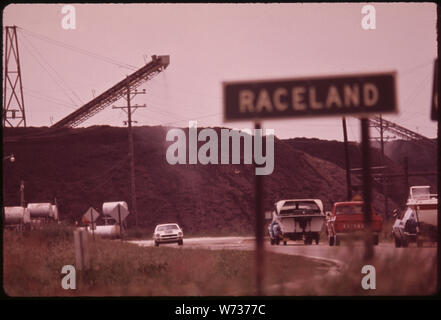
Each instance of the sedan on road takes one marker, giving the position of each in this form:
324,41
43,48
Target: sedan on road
168,233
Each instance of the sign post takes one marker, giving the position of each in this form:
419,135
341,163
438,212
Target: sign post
81,249
367,208
118,211
356,94
91,221
347,163
90,216
260,221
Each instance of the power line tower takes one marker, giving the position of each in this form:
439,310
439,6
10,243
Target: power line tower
129,109
384,125
13,102
389,130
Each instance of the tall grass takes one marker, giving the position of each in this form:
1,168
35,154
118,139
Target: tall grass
403,276
33,263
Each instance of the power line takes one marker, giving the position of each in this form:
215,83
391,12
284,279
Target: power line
162,111
48,98
191,92
414,68
190,119
417,91
413,96
51,100
55,71
45,69
78,50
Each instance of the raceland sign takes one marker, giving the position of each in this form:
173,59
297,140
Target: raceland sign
315,96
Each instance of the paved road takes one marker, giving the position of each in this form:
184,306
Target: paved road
340,255
334,260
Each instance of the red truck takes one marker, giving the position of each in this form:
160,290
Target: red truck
347,220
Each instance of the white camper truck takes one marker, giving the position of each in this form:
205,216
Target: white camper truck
419,221
298,219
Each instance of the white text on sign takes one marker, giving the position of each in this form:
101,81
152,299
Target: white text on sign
303,98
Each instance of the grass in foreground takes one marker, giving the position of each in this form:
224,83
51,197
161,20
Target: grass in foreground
407,275
33,262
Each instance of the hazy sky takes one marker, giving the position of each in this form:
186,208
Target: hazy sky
211,43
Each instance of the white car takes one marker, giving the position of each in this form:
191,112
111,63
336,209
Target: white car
167,233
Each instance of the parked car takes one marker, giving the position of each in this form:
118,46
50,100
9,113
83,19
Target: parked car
347,220
297,219
168,233
419,221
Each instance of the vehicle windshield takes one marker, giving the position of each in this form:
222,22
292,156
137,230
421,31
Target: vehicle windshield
352,209
167,227
300,207
420,193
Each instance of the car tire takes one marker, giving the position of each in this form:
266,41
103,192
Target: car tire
331,241
180,243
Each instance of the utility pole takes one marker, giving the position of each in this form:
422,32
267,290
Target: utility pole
406,175
22,201
260,221
348,173
129,109
384,179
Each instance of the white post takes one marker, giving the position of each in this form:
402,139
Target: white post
82,261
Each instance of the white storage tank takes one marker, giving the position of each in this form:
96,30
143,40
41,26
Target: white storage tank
54,212
108,207
16,215
40,210
109,231
27,216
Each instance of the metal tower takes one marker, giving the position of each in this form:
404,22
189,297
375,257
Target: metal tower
13,102
385,125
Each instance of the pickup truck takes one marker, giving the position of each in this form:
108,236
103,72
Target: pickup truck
347,220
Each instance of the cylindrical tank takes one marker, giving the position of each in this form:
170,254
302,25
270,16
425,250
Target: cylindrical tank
54,212
110,231
27,216
40,210
108,207
16,215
